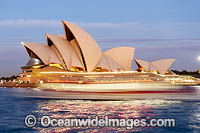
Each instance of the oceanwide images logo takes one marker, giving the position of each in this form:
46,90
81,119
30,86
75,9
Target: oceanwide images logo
47,121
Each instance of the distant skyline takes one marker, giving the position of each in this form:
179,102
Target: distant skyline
157,29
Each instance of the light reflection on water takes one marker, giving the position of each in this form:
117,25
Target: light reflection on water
14,108
113,109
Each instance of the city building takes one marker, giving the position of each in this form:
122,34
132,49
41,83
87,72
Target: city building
77,57
78,51
158,66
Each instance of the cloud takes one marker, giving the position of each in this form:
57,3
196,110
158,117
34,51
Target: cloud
146,39
175,48
106,24
122,29
30,23
55,23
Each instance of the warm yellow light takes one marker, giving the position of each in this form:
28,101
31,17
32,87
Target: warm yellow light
76,69
198,58
37,66
56,65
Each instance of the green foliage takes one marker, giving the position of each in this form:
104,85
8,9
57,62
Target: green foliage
185,72
9,78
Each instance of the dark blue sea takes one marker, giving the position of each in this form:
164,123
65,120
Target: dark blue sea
14,109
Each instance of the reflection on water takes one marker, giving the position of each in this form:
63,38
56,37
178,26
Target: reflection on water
113,109
13,110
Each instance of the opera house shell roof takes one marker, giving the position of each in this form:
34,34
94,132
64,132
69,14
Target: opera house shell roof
161,66
78,49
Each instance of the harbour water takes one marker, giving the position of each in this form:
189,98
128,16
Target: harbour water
14,108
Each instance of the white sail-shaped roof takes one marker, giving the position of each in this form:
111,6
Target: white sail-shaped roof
103,63
43,52
64,48
144,64
152,67
108,63
77,56
91,53
75,60
159,65
163,65
112,63
122,55
57,53
62,36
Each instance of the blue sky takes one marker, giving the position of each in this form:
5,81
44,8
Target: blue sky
157,28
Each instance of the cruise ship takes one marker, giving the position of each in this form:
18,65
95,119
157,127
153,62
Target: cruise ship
74,64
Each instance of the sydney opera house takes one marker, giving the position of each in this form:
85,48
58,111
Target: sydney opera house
76,57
